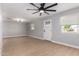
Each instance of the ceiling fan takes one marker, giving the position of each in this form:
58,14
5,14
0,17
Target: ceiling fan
42,8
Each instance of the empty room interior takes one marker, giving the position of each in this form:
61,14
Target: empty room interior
39,29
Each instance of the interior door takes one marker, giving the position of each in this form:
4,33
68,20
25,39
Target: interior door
47,30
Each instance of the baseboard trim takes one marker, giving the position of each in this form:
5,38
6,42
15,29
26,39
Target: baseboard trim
57,42
35,37
14,36
69,45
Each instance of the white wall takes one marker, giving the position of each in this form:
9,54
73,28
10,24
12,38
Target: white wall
0,31
38,31
13,28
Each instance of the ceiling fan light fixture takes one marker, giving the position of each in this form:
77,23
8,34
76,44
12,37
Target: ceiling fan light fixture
19,20
41,11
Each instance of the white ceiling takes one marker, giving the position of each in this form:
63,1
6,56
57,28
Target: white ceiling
18,10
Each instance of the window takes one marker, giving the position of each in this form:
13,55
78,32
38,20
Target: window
70,28
70,23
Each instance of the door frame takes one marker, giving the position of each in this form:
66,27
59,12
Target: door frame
44,25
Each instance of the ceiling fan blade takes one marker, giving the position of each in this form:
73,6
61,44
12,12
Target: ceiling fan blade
35,12
46,12
34,5
31,9
40,14
51,6
51,10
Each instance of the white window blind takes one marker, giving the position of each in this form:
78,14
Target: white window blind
71,19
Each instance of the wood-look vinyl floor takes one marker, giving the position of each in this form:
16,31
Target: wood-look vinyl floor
28,46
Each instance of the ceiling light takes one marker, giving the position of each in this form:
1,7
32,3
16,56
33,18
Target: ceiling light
41,11
19,20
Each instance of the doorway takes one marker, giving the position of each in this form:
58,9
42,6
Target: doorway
47,34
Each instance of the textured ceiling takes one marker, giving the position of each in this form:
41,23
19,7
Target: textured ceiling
18,10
